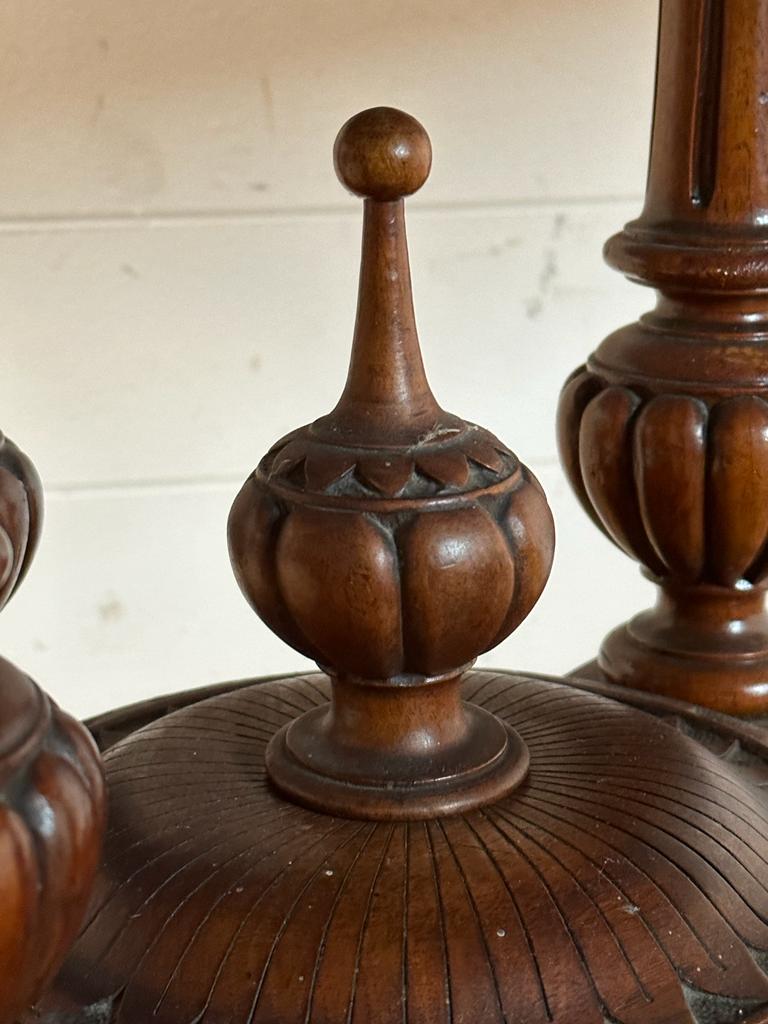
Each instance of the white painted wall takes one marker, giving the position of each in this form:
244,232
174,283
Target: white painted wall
178,277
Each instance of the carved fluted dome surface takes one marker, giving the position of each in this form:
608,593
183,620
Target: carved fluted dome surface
625,880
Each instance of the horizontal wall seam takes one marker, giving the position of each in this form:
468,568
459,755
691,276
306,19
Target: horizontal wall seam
191,218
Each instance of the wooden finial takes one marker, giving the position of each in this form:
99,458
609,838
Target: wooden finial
51,787
383,155
664,432
393,543
21,516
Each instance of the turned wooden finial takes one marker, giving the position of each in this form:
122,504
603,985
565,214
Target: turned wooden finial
393,543
383,155
51,787
21,515
664,432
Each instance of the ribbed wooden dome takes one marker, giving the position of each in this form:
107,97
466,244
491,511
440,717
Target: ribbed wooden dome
625,880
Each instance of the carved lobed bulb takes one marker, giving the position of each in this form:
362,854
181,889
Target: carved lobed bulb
52,807
679,482
403,587
52,798
21,513
390,539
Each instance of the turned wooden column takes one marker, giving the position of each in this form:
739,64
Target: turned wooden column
664,431
51,786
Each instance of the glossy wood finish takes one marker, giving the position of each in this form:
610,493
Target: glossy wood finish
51,824
736,739
343,848
21,516
625,880
392,542
51,786
664,432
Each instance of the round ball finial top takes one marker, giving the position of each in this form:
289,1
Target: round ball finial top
382,154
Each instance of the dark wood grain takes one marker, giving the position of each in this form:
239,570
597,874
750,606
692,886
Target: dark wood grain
743,741
51,823
21,516
403,840
664,432
391,542
51,787
624,880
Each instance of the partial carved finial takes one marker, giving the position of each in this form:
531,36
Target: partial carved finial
393,543
21,516
664,432
51,788
52,810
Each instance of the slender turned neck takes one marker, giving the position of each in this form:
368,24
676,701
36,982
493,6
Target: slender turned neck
425,720
700,606
387,399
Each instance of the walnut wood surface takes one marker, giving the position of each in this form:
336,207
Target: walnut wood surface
623,881
51,822
738,739
405,841
391,542
51,787
21,516
664,432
